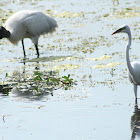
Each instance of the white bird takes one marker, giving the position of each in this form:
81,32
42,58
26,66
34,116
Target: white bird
27,24
133,67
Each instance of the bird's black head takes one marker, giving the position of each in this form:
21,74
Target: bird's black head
4,33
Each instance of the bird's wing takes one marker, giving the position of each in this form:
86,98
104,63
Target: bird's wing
39,23
136,77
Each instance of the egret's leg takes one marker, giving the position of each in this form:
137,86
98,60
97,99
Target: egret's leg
23,48
37,51
135,91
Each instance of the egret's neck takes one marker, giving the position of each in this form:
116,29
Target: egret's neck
127,55
129,39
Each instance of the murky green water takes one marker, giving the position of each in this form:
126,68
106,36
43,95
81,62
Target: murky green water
101,105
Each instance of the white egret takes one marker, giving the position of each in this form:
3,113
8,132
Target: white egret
133,67
27,24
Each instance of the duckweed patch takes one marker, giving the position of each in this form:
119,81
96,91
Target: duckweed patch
129,12
64,67
68,14
104,57
110,65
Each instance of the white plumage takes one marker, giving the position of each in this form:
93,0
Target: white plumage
133,67
29,24
135,78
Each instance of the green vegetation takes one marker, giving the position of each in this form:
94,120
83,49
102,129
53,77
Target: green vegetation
3,87
40,83
64,81
112,72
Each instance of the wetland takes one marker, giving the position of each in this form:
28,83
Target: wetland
88,95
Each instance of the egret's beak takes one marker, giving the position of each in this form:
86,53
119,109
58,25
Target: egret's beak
119,30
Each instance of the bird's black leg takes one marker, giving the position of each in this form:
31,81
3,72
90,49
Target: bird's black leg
135,91
37,51
23,48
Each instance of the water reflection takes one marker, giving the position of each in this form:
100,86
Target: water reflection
33,82
23,83
135,123
48,59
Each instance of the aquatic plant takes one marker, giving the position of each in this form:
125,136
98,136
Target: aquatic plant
64,81
40,83
3,87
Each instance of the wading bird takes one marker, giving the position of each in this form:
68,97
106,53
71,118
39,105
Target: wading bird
133,67
27,24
